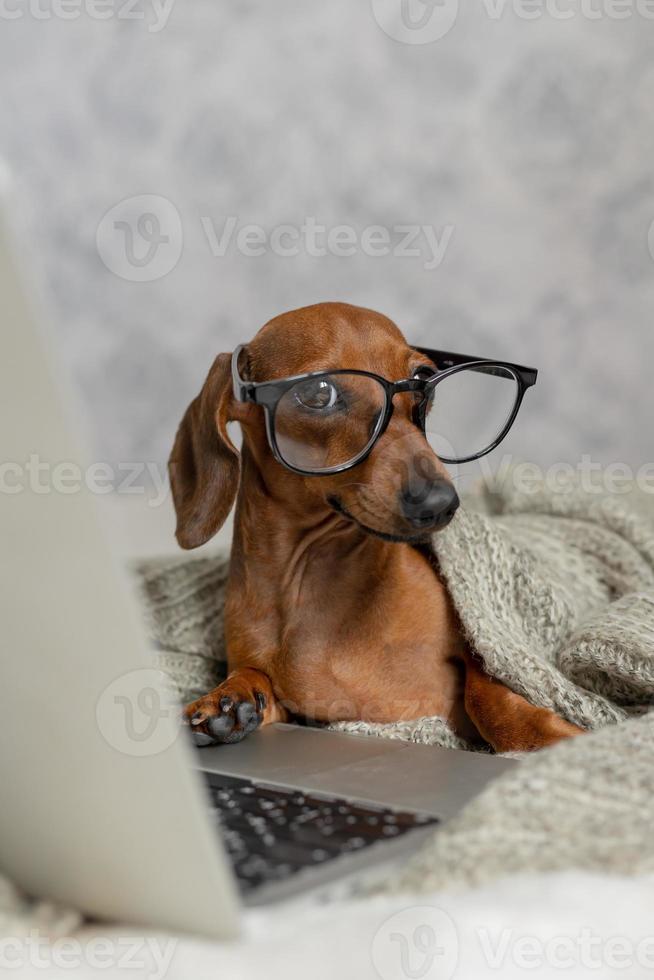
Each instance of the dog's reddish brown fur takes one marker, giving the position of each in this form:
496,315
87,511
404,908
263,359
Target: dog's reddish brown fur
323,619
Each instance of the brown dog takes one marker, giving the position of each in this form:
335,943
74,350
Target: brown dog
334,609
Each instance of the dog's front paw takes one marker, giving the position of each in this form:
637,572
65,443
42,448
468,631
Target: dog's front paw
225,715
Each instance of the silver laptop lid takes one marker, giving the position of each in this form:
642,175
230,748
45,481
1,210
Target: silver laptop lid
100,807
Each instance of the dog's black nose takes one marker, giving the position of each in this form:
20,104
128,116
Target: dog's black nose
432,505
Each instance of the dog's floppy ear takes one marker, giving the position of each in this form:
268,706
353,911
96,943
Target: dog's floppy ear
204,464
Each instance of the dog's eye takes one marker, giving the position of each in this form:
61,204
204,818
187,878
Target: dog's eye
317,394
424,372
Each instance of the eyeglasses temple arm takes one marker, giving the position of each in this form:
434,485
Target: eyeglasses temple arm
447,359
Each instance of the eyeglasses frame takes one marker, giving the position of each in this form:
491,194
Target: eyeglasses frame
267,394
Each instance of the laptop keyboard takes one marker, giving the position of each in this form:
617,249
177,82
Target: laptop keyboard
272,833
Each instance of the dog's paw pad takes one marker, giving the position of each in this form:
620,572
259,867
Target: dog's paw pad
245,713
223,719
201,740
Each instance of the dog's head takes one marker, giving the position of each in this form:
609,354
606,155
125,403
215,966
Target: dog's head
399,491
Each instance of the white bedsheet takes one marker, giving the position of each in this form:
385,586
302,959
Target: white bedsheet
562,925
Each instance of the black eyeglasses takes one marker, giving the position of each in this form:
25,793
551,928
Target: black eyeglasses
326,422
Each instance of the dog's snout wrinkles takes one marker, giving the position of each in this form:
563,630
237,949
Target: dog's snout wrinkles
433,505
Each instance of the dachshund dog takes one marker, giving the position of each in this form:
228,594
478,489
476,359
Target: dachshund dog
335,610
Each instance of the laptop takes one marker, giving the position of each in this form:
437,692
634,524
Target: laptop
106,804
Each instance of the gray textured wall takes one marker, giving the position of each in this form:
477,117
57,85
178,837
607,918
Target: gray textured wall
530,139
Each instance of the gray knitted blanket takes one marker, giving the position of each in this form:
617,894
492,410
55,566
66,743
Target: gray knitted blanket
555,592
